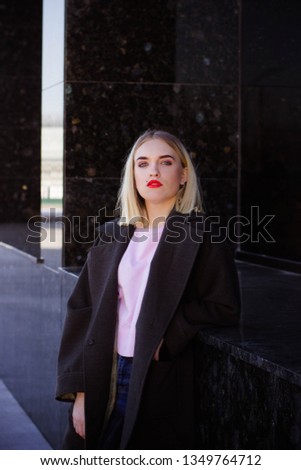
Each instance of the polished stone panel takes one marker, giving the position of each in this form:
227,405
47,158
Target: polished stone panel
271,43
249,378
271,121
206,41
89,202
20,103
104,120
152,41
244,407
20,119
21,145
98,142
133,66
220,197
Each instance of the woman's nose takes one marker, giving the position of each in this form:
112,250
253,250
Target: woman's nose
154,171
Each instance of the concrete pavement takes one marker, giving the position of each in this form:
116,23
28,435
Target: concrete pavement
17,431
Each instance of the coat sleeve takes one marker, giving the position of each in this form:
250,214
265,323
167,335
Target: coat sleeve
70,359
212,296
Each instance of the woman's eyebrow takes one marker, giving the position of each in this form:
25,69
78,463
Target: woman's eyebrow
161,156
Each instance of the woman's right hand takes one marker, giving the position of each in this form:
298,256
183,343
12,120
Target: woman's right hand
78,414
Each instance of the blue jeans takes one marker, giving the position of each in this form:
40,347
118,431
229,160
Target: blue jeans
112,434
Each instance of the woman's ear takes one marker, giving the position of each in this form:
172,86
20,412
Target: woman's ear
184,176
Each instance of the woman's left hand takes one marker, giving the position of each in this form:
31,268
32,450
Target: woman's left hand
157,353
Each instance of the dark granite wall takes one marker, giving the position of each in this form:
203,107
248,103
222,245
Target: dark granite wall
244,407
20,119
134,65
271,121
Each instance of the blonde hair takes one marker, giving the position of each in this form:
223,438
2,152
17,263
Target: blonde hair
131,205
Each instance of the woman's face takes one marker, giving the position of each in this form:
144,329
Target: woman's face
158,172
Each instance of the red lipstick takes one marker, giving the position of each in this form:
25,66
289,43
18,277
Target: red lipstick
154,184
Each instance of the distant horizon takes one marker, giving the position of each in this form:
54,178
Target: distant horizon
52,121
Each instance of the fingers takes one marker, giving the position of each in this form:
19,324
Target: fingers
157,353
78,415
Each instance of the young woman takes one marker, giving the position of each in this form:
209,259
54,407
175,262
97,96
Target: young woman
152,280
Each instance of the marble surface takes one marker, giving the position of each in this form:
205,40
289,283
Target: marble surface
98,142
152,41
271,38
104,119
271,121
84,214
270,329
21,26
20,119
242,406
133,66
249,378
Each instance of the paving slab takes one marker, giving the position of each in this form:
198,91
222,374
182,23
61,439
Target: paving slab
17,432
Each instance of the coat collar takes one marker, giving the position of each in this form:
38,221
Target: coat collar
168,276
169,273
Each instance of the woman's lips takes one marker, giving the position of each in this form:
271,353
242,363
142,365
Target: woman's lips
154,184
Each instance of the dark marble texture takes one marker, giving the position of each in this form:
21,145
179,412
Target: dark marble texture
270,330
271,121
21,144
20,119
220,197
104,120
20,102
84,214
249,378
19,199
152,41
20,51
138,65
244,407
271,43
206,41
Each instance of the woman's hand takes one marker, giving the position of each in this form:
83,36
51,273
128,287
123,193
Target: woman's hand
157,353
78,414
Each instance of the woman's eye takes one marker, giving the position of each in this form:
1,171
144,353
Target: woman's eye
166,162
142,164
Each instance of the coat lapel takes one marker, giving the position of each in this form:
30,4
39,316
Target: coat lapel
103,262
169,273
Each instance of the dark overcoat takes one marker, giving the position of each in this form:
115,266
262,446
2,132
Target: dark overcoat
192,283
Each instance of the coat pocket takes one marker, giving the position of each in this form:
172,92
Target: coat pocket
160,395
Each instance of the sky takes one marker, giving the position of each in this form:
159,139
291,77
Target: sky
53,60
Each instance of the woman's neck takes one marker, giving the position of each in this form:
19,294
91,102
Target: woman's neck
157,214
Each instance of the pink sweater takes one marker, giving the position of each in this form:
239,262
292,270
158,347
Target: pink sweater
133,273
